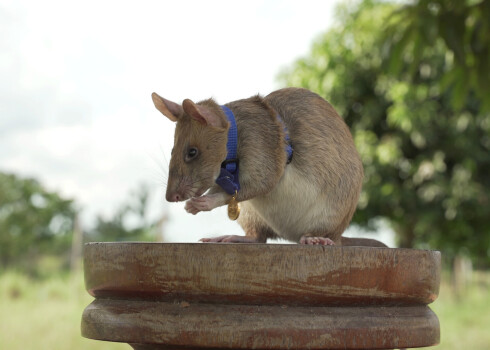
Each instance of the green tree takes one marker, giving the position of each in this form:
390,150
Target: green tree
129,223
462,27
33,222
426,158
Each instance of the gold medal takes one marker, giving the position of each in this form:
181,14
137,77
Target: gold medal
233,208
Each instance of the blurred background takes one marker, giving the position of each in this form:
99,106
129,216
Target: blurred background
84,154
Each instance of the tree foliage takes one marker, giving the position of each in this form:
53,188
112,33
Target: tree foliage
416,109
129,223
33,221
462,28
36,223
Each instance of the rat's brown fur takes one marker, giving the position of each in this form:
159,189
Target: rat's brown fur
315,195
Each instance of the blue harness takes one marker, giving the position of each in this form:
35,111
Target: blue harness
228,177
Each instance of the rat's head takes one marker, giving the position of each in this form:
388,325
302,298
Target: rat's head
199,146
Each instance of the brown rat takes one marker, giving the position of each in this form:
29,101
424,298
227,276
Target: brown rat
311,200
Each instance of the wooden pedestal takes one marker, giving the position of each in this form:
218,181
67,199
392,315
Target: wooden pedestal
260,296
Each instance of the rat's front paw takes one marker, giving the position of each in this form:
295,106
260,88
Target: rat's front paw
204,203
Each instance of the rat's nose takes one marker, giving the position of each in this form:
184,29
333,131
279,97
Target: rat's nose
173,197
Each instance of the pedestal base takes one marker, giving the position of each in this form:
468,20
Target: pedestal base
257,296
181,325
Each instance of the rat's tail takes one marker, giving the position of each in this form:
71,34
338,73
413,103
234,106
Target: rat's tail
362,242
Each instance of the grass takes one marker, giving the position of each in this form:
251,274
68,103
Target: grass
46,314
465,316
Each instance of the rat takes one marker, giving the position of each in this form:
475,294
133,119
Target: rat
298,173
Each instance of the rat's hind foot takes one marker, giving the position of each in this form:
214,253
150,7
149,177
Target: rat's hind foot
230,239
316,240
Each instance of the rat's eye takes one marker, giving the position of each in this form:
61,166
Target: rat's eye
191,154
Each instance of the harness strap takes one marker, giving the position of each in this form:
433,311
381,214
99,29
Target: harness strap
228,176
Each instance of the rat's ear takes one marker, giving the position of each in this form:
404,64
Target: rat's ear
202,114
168,108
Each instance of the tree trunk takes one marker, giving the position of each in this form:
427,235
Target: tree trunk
405,235
76,245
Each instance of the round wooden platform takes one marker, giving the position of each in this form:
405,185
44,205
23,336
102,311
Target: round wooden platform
260,296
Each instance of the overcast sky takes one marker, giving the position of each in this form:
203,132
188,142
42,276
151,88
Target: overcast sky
76,80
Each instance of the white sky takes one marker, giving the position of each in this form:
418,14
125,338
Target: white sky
76,80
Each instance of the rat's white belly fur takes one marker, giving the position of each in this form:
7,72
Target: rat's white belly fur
295,207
